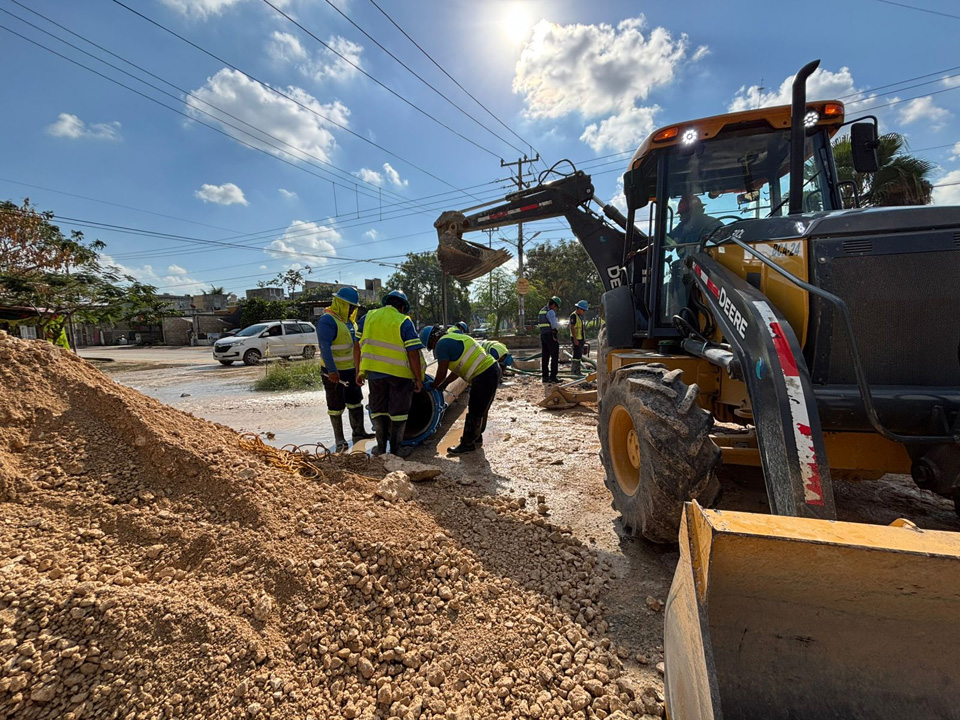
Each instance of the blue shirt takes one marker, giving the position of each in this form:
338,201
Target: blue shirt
326,334
552,319
407,332
448,348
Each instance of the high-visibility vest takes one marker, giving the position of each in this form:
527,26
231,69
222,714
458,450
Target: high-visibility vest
381,347
576,326
472,361
342,346
542,322
495,348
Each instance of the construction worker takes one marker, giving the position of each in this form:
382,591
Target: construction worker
694,224
390,360
462,327
549,343
577,334
464,357
499,352
339,357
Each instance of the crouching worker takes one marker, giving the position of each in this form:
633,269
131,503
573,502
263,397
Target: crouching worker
339,357
463,357
499,352
390,360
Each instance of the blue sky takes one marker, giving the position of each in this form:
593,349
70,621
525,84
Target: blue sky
345,175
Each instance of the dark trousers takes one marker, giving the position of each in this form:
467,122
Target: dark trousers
483,390
390,396
578,350
550,357
339,396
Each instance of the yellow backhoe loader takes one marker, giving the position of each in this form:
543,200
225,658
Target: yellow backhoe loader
756,295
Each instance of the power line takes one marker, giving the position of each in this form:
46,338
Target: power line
919,9
420,78
381,84
902,100
292,99
197,109
441,68
901,82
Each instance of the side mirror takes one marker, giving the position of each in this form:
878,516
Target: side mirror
863,146
635,189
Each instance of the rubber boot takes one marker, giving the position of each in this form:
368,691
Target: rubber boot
337,422
396,440
381,427
356,424
468,441
575,367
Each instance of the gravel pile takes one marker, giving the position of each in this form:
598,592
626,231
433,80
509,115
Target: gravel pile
150,568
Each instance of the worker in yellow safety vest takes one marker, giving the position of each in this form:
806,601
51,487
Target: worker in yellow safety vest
465,358
390,360
577,334
499,352
339,358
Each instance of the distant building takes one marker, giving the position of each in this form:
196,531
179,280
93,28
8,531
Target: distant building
265,293
209,303
177,303
372,290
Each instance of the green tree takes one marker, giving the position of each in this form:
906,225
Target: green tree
419,277
256,310
291,280
563,269
215,290
901,179
61,277
495,297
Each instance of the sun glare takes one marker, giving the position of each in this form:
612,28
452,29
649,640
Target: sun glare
517,20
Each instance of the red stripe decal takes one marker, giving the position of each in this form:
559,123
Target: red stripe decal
712,286
529,207
787,362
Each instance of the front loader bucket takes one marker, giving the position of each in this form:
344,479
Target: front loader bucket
782,617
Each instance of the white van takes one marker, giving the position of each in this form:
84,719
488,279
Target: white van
272,338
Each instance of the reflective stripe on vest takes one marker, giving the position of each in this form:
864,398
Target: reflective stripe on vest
381,347
472,361
495,348
342,346
576,326
542,322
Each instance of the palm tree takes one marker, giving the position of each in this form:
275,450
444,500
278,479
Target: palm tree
215,290
900,180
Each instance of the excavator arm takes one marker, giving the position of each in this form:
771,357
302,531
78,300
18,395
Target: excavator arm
568,197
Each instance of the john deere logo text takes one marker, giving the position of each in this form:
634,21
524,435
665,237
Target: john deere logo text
738,320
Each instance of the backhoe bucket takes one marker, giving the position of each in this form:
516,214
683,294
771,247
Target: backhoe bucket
461,258
782,617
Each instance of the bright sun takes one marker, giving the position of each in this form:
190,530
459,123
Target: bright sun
516,22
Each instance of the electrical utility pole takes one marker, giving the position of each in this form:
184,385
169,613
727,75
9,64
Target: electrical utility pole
519,180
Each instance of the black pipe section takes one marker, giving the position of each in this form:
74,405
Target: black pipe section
715,356
798,135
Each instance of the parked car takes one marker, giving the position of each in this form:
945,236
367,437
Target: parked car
274,338
481,331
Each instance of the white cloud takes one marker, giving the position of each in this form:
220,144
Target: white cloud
372,234
288,194
262,267
955,152
375,177
951,81
621,132
369,176
175,280
393,176
949,191
923,108
306,239
700,54
594,70
70,126
202,9
822,85
226,194
323,65
302,128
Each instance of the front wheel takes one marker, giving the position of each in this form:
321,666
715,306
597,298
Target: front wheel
656,448
308,352
252,357
226,362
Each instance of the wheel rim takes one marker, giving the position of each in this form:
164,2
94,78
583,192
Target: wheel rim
624,450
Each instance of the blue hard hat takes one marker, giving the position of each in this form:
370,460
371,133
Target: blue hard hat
509,360
349,294
583,305
425,336
397,294
463,327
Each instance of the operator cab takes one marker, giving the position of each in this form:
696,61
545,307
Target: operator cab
696,178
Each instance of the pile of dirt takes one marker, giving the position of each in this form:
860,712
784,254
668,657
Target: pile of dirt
150,568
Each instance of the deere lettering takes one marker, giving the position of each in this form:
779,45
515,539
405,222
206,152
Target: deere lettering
738,320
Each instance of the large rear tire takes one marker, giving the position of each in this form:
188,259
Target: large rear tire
656,449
